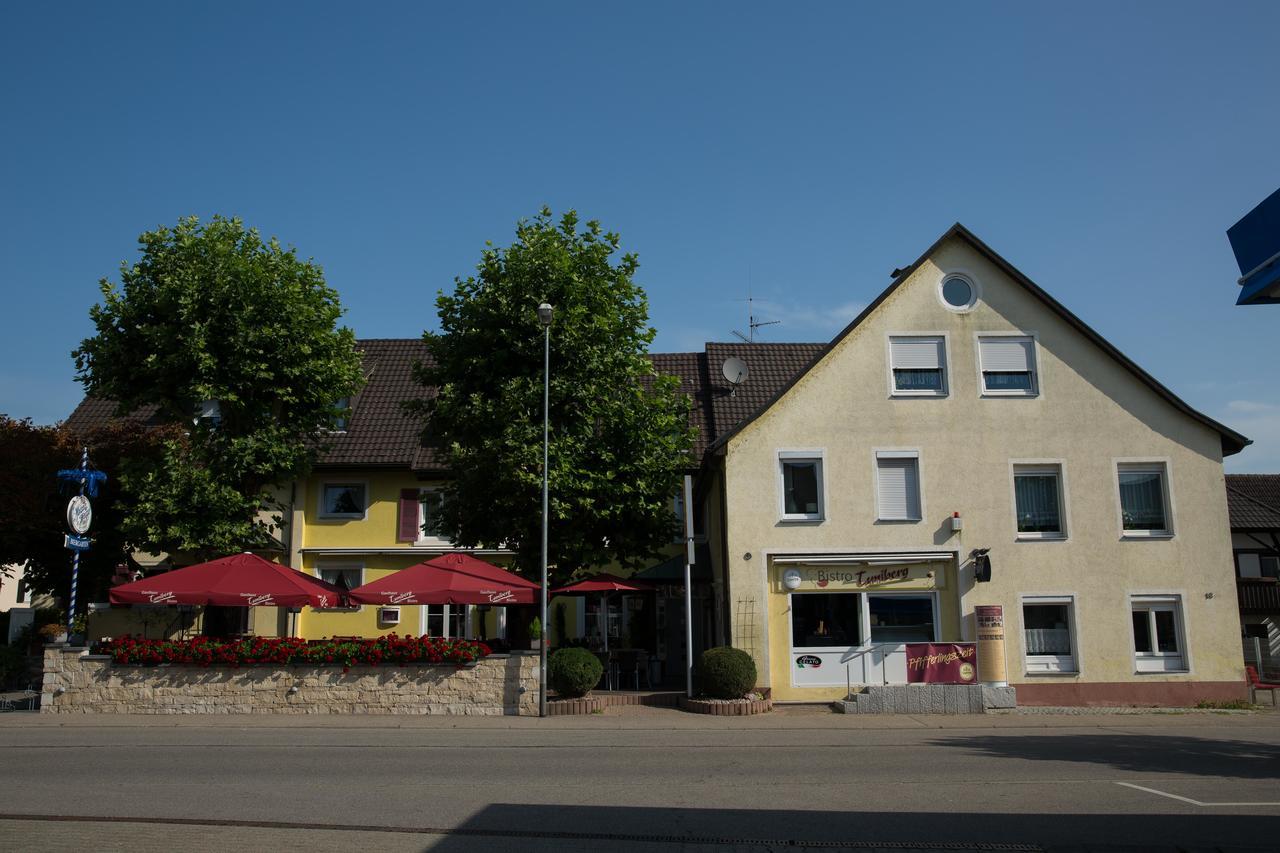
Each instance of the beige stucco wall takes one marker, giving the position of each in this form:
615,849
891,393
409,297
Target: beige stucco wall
1090,412
76,683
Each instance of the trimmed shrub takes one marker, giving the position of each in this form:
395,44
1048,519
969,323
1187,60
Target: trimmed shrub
571,672
725,673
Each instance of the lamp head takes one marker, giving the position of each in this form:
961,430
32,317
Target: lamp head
544,314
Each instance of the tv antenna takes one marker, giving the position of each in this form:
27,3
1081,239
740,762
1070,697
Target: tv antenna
753,324
735,371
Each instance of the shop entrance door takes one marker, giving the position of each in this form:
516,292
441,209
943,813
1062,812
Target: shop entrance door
894,621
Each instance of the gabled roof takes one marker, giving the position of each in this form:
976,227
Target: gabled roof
380,433
1253,501
1232,441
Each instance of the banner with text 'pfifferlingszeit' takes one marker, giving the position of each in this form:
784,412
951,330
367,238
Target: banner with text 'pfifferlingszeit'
941,663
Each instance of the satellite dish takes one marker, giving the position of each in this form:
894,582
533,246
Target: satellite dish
734,370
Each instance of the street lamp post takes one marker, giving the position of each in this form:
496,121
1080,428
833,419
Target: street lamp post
544,317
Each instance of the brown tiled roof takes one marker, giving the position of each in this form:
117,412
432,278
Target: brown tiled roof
770,369
94,412
1253,501
380,433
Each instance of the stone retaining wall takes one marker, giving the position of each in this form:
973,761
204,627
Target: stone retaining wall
76,682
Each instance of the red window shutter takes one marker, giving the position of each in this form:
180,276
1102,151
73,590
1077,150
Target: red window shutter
408,531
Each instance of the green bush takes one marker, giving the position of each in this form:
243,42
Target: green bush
13,667
725,673
572,672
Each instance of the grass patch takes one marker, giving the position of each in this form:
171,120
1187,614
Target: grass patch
1225,704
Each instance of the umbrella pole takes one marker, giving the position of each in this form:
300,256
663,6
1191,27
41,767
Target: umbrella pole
604,618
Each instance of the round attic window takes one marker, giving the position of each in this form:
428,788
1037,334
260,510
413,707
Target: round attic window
958,292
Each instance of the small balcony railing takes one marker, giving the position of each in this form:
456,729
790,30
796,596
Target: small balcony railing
1258,595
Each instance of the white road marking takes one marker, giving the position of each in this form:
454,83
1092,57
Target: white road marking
1188,799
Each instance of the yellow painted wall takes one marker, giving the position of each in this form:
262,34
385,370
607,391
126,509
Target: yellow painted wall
1090,412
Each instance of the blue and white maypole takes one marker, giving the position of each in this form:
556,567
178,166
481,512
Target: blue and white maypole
79,517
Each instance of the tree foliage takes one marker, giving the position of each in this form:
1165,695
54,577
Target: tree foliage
34,506
211,312
619,432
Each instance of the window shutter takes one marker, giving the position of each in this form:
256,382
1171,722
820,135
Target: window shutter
1006,354
408,528
916,353
898,488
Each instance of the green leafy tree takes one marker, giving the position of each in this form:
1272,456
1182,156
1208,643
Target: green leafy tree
620,436
211,312
34,506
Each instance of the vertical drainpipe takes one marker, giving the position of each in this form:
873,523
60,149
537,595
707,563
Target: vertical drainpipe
726,620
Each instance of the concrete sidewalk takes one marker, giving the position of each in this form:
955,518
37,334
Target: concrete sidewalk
636,717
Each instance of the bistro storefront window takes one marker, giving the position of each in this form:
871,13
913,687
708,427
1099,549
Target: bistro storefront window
823,619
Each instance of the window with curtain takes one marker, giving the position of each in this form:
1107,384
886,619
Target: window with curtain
1008,365
1047,639
342,500
801,486
343,577
1037,492
898,486
918,365
1144,499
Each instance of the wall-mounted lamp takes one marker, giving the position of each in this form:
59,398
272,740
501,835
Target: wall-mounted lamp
981,565
791,578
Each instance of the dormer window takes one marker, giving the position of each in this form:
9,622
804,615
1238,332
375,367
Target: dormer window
343,416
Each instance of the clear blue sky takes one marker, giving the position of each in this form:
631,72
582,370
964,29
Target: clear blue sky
799,151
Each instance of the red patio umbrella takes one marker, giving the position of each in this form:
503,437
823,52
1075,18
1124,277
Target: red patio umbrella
603,583
241,580
450,579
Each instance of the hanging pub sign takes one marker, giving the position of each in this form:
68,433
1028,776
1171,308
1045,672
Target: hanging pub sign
941,663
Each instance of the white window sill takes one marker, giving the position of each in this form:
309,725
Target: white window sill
795,519
933,395
1052,673
1137,536
1042,537
897,521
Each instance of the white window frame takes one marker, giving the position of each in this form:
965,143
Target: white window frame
974,285
346,566
1036,384
1166,482
342,516
423,538
1050,664
879,453
945,363
817,455
448,612
1058,468
1155,661
341,422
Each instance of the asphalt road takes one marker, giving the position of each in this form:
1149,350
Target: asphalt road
646,782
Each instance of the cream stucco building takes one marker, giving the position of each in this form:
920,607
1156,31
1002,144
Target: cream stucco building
965,411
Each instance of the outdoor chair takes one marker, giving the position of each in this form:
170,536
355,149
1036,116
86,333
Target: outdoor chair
634,666
1256,684
610,675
